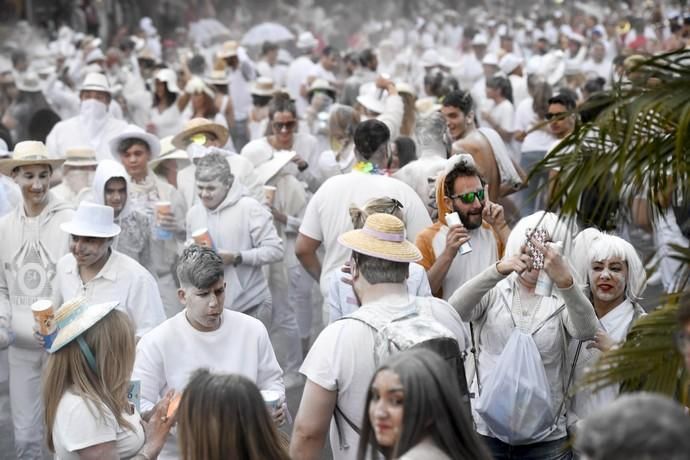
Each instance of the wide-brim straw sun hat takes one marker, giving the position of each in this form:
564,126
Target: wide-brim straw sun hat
320,84
134,132
76,317
228,49
216,77
200,125
28,153
169,152
383,237
263,86
93,220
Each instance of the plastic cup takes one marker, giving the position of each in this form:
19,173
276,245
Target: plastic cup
44,315
134,394
162,207
270,193
452,218
271,399
203,238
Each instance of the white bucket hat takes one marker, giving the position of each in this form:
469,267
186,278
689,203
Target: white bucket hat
134,132
306,40
169,77
92,220
96,82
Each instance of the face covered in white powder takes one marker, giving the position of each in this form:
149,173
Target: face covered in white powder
608,279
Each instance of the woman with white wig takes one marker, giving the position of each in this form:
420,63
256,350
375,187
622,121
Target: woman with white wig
615,279
521,340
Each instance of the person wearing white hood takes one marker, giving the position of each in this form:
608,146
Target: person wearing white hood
242,232
94,127
135,149
31,246
111,184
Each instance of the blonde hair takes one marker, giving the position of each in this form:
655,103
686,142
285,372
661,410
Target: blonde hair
223,417
385,205
112,342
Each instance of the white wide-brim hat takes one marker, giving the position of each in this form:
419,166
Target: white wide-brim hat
29,83
306,40
92,220
80,156
262,86
134,132
371,103
76,317
169,77
28,153
169,152
383,237
267,170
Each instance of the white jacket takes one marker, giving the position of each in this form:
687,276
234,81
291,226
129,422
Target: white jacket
241,224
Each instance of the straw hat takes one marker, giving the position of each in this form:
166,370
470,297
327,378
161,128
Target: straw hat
306,40
169,77
383,237
80,156
134,132
216,77
263,86
321,84
28,153
29,82
169,152
200,125
96,82
228,49
76,317
405,88
92,220
267,170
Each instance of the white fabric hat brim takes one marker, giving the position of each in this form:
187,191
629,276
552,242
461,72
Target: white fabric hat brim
8,164
266,171
74,228
151,140
85,320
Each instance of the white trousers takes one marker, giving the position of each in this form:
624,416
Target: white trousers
26,401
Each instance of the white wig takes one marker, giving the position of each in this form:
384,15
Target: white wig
579,256
609,246
558,230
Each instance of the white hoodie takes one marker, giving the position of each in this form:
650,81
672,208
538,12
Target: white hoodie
241,224
29,250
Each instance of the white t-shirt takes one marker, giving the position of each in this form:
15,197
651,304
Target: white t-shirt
168,356
539,140
503,114
79,425
342,360
341,297
327,216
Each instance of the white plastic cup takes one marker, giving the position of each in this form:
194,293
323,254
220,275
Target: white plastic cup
44,316
271,399
452,218
270,194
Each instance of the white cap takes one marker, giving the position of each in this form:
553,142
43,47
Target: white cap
95,55
509,63
306,40
490,59
480,40
371,103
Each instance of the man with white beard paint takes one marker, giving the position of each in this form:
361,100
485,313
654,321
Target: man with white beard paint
94,127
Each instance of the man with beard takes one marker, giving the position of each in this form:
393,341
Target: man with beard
461,189
94,127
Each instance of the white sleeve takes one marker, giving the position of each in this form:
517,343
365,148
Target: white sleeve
267,247
320,365
416,215
148,369
144,304
311,223
79,426
270,375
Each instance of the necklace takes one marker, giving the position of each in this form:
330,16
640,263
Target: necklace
367,167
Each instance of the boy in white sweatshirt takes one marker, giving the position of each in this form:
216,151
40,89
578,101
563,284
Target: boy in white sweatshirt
30,245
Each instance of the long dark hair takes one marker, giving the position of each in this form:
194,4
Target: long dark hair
224,417
432,407
281,102
503,85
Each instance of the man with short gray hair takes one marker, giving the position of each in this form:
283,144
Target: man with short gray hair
242,233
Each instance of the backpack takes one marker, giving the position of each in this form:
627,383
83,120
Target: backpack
411,330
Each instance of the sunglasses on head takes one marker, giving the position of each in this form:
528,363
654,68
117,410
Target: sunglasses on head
468,198
551,115
288,125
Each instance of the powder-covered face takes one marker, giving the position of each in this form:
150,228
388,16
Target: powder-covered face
608,279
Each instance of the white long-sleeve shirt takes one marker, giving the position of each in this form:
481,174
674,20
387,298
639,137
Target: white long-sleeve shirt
168,356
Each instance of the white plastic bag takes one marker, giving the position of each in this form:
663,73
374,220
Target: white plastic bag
515,401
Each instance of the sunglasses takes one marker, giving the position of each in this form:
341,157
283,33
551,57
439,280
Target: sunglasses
550,116
468,198
288,125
